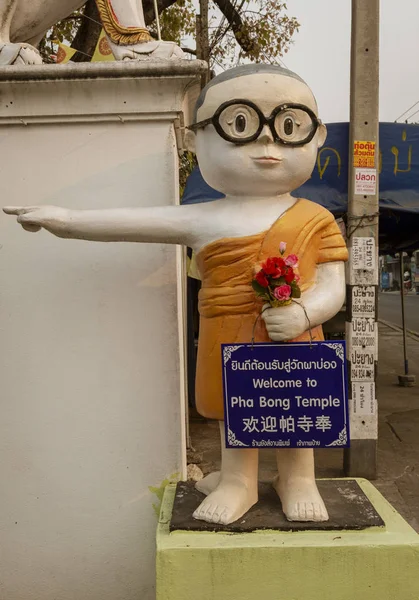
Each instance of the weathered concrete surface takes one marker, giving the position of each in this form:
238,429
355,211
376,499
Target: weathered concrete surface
276,565
398,437
348,506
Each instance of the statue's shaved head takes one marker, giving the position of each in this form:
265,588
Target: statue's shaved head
243,71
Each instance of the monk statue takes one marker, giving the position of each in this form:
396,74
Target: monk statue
23,24
256,132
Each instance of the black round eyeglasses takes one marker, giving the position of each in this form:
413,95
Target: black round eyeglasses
242,121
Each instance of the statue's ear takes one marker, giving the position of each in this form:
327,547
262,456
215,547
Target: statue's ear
321,135
190,141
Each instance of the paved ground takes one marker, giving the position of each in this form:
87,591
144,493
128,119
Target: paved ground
389,309
398,444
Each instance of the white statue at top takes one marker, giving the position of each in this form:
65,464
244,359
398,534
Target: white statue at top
23,23
256,134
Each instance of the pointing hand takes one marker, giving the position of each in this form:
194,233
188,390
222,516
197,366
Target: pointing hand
34,218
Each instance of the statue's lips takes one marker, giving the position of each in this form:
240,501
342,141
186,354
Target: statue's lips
266,159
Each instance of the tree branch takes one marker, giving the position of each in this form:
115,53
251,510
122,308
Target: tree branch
236,23
88,34
227,8
148,7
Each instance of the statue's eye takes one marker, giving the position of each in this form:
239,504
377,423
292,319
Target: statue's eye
293,125
240,123
288,126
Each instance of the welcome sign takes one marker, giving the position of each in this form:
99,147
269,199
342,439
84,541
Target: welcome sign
291,395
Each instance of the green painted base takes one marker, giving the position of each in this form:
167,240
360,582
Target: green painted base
377,563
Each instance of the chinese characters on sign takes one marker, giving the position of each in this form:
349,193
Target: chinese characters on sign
285,395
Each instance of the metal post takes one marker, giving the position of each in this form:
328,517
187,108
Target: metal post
406,363
362,273
405,380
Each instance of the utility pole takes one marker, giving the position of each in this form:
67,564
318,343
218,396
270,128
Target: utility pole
202,38
362,231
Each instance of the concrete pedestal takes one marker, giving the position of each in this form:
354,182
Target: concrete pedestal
92,350
376,562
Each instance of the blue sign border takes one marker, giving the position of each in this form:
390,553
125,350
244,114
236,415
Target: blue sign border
338,346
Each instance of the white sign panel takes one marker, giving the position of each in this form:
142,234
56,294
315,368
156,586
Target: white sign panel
363,253
363,398
366,182
363,301
361,333
362,364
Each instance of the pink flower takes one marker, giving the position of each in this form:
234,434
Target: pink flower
282,292
282,247
291,260
296,277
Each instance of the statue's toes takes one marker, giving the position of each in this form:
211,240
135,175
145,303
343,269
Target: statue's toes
19,54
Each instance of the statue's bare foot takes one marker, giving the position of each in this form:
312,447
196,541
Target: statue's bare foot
208,483
19,54
300,499
147,50
228,502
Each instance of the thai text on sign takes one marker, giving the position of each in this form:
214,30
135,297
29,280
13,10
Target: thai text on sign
364,154
285,395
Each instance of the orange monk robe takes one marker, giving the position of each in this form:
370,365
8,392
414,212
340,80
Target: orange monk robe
228,305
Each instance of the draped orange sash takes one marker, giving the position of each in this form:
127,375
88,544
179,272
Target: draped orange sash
228,305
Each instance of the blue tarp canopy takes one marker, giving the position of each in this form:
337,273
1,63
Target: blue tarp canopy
328,185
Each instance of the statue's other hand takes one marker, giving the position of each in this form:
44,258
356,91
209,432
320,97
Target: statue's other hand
285,322
34,218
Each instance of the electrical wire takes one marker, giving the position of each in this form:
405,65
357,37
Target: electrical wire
406,111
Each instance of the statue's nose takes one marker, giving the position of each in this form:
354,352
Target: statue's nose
266,134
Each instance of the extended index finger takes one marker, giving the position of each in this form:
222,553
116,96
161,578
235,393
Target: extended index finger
15,210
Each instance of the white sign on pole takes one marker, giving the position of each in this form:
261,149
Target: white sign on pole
363,253
363,301
362,364
363,398
365,182
361,333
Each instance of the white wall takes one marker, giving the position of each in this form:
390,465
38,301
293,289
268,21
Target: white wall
91,408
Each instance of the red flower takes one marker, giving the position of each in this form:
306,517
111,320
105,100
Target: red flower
289,275
274,267
261,279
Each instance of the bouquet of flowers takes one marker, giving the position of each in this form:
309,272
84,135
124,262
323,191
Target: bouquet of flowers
277,282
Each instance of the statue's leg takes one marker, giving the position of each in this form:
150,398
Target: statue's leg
237,490
127,34
11,53
296,485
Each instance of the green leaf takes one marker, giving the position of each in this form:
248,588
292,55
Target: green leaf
259,289
277,282
295,291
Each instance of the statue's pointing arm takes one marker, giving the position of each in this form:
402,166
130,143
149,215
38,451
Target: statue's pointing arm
165,224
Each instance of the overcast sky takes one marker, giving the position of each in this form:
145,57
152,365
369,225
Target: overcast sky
321,55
